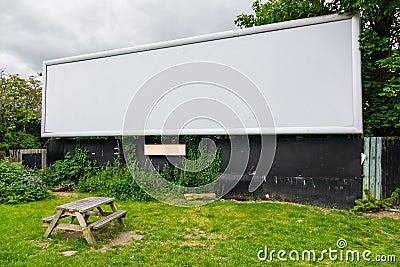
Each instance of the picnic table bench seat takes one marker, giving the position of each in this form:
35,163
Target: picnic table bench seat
81,210
103,221
50,218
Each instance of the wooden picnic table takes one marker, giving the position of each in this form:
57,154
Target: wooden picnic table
81,210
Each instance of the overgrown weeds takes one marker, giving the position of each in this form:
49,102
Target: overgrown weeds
371,204
19,184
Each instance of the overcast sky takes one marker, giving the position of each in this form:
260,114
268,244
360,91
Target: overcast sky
32,31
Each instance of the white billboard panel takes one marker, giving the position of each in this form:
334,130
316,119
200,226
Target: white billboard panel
294,77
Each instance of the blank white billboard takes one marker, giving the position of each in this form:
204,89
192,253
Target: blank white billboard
295,77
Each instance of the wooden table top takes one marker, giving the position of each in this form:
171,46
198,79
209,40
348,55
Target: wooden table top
85,204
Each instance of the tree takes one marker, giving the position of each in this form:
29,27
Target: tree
379,44
20,111
274,11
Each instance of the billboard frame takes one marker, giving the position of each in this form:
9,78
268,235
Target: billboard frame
356,128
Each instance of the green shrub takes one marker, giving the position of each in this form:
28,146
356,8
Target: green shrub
117,181
13,140
74,167
114,181
373,205
18,184
198,156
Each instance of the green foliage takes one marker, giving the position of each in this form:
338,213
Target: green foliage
21,140
379,44
74,167
209,168
20,111
251,198
114,181
274,11
373,205
18,184
119,182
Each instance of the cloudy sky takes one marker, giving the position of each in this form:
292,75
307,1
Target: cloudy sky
34,31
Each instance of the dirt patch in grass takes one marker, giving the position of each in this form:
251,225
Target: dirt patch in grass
69,253
43,244
325,210
103,233
66,194
382,214
106,233
68,235
122,239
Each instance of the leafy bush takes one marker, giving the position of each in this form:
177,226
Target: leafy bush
198,157
18,184
373,205
74,167
114,181
20,140
117,180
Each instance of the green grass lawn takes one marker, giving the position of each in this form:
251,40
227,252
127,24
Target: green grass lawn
224,233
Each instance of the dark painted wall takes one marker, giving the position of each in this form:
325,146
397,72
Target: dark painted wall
33,160
101,150
319,169
323,170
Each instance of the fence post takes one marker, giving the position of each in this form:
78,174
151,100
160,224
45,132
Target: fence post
378,168
367,141
373,166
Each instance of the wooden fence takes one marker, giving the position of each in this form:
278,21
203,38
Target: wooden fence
381,167
33,158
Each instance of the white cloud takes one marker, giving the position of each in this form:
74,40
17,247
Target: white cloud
34,31
17,65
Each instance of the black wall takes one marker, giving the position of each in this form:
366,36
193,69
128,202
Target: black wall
33,160
102,150
319,169
323,170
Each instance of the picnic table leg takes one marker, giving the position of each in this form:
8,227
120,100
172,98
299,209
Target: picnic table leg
53,224
100,210
85,229
114,209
